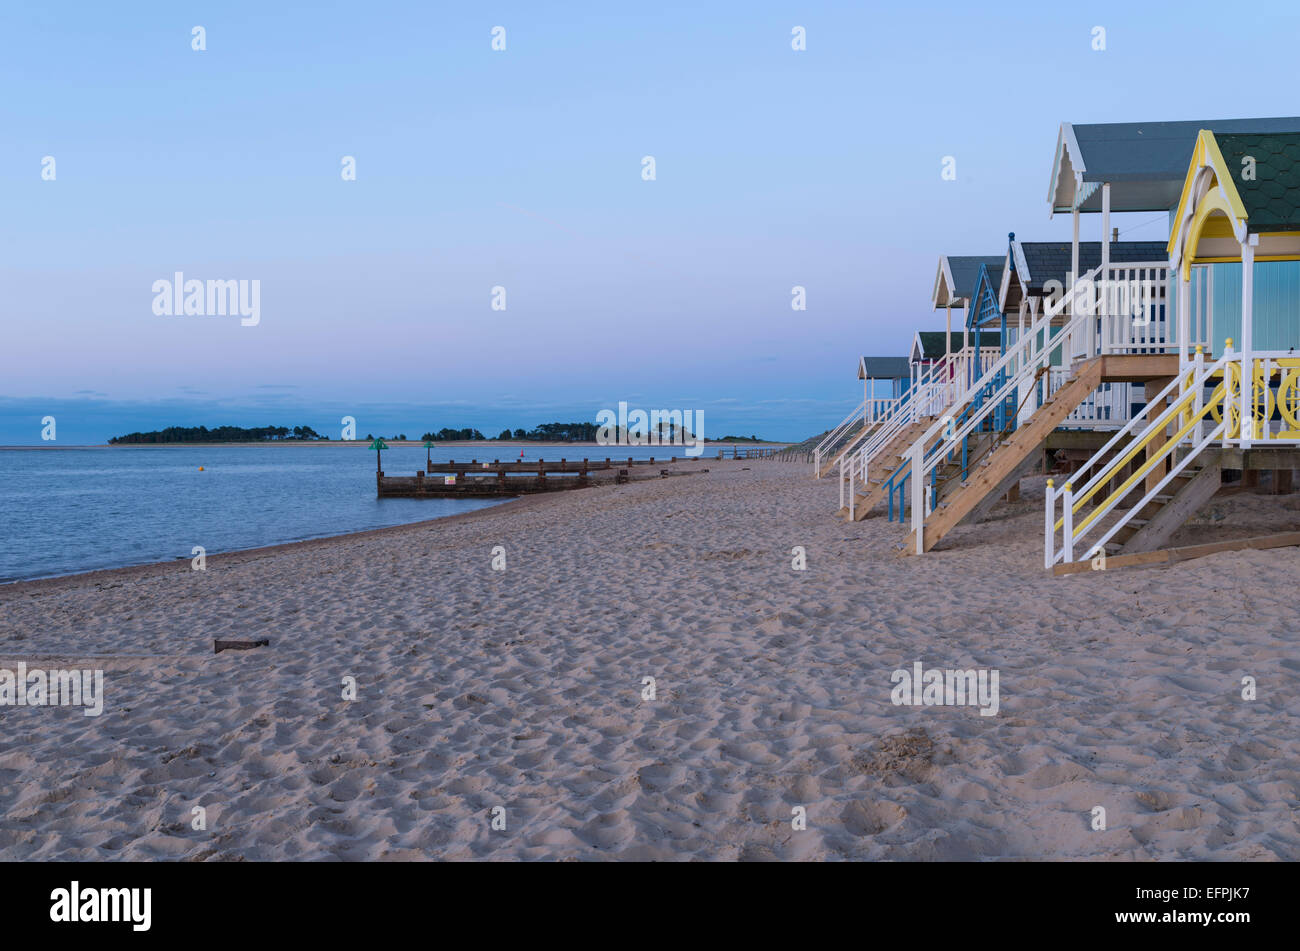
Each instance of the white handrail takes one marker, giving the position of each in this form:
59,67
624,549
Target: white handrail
1029,356
935,388
835,434
906,408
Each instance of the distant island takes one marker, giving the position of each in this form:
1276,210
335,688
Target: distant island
221,434
546,432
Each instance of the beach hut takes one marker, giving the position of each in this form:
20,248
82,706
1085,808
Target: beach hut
975,348
1232,406
895,375
954,285
1110,326
1037,273
1108,168
940,366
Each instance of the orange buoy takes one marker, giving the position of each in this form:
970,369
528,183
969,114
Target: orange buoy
200,468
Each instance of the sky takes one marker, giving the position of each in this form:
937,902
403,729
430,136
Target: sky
522,169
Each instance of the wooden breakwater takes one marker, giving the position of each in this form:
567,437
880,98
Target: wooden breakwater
496,479
758,452
475,479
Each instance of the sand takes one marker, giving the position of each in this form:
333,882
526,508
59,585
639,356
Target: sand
522,690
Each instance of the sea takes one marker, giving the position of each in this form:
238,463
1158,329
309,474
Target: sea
68,510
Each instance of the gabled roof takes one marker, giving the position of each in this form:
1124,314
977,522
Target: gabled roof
930,344
1240,190
985,294
1144,161
1038,262
884,368
955,281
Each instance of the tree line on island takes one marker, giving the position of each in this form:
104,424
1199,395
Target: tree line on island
546,432
220,434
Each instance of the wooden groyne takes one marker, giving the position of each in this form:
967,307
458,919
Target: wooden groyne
475,479
764,452
496,479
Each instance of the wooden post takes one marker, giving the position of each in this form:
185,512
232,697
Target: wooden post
1158,442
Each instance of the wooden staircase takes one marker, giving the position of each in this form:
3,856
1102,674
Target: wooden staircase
991,477
851,441
889,461
1155,524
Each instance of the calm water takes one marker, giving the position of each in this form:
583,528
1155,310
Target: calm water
70,510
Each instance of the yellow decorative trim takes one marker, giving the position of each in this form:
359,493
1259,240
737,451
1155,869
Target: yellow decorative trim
1216,201
1236,259
1143,469
1198,152
1223,177
1221,197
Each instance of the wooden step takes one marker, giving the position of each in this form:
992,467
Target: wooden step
1005,460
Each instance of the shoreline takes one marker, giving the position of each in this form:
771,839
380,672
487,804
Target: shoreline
394,444
240,555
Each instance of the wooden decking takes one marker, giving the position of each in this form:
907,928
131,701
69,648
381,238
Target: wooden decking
1135,367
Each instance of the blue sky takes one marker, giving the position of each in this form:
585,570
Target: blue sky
522,168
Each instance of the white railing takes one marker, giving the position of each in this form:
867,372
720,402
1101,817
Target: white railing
836,434
870,411
1199,422
1019,365
1187,411
1107,407
941,390
934,392
1132,309
880,408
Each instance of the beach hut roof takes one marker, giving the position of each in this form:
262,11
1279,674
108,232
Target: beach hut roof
983,309
1272,195
1240,188
929,344
1144,162
955,282
883,368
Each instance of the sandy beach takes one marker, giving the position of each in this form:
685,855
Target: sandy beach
523,689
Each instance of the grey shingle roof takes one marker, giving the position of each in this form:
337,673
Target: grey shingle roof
1050,260
1272,197
1151,151
884,368
932,346
1145,162
965,270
